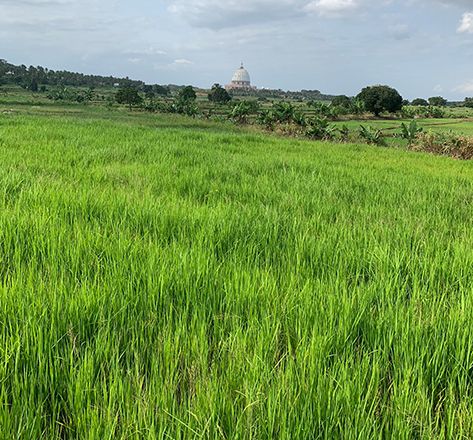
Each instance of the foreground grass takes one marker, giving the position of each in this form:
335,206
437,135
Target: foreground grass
168,281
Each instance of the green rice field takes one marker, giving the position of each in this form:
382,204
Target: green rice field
170,278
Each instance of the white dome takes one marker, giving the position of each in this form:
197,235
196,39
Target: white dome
241,75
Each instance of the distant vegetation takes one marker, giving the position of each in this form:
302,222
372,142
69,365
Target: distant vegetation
305,114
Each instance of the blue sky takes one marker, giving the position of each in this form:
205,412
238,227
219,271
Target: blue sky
421,47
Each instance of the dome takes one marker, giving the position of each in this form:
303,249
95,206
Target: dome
241,75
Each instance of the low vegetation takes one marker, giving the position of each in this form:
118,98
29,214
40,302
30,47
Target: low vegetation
171,277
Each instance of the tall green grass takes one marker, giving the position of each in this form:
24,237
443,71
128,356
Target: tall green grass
160,281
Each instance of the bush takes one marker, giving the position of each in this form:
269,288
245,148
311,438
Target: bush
319,129
241,111
321,109
411,131
458,147
344,133
372,135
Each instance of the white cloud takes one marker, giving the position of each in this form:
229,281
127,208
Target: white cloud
466,87
183,62
466,24
327,7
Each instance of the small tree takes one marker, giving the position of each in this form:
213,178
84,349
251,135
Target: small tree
378,99
468,102
418,102
218,95
128,96
437,101
187,94
342,101
184,103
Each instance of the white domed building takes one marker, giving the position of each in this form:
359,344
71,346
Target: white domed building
241,80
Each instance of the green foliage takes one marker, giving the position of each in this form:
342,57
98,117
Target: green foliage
149,92
242,111
342,101
161,90
372,135
321,109
319,129
185,102
187,94
162,277
437,101
445,144
283,112
468,103
23,76
218,95
129,96
378,99
410,132
33,85
434,112
344,133
420,102
266,118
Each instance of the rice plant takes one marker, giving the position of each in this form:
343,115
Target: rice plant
169,278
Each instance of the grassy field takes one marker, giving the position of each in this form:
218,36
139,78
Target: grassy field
167,278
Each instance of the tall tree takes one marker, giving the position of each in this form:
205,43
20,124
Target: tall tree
378,99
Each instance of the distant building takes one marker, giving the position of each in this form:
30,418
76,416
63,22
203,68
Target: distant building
241,80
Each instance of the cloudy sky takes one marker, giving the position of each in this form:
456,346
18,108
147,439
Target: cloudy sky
422,47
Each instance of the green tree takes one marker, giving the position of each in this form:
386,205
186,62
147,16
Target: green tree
418,102
437,101
161,90
468,102
33,85
187,94
378,99
218,95
149,92
185,102
342,101
128,96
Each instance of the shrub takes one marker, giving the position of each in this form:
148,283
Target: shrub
410,132
241,111
321,109
344,133
320,129
459,147
372,135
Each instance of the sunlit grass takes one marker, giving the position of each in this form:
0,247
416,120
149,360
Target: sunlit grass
168,278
